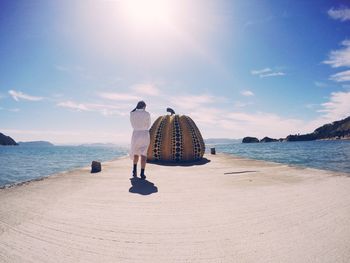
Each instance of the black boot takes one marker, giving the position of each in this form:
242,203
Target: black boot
143,176
134,171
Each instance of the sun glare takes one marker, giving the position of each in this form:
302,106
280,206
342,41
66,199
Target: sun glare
137,30
148,14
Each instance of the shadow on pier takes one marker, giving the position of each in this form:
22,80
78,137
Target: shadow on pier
142,187
189,163
241,172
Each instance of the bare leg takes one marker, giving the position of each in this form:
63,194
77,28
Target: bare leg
136,159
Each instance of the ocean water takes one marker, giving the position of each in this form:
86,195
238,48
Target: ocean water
23,163
328,155
19,163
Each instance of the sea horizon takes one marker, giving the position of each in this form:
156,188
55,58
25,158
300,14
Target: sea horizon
20,164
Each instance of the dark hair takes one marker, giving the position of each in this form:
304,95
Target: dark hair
140,105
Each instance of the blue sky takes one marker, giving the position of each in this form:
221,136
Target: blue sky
71,71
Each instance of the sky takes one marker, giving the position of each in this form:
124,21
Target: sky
71,71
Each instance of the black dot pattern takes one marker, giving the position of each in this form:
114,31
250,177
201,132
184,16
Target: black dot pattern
157,147
199,136
198,146
177,140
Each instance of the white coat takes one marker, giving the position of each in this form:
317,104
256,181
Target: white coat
140,121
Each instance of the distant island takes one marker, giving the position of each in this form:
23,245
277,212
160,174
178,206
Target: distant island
338,130
6,140
36,144
98,145
221,141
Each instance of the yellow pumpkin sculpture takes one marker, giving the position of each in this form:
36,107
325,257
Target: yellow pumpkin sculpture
175,138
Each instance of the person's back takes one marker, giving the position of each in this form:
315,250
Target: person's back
140,121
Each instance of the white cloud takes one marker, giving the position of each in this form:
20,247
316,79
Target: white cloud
119,96
342,14
240,104
146,89
341,76
120,109
215,118
338,107
264,124
10,109
189,102
341,57
73,105
18,95
216,121
208,116
247,93
272,74
267,72
260,71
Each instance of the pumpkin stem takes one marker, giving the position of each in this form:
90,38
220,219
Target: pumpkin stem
170,110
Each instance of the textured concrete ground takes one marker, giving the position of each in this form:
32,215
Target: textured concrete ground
226,210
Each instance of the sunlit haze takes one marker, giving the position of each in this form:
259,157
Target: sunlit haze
153,14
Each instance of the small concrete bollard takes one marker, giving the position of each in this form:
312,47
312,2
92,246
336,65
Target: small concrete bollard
95,167
212,150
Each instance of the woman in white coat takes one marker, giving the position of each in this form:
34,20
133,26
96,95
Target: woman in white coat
140,121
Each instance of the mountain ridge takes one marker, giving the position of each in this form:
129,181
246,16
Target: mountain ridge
337,130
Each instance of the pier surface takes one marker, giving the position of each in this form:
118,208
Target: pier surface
226,209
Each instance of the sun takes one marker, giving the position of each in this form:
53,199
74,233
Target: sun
148,14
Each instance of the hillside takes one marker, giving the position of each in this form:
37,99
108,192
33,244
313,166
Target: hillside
6,140
335,130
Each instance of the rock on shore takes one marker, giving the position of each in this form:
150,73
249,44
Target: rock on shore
268,139
250,140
